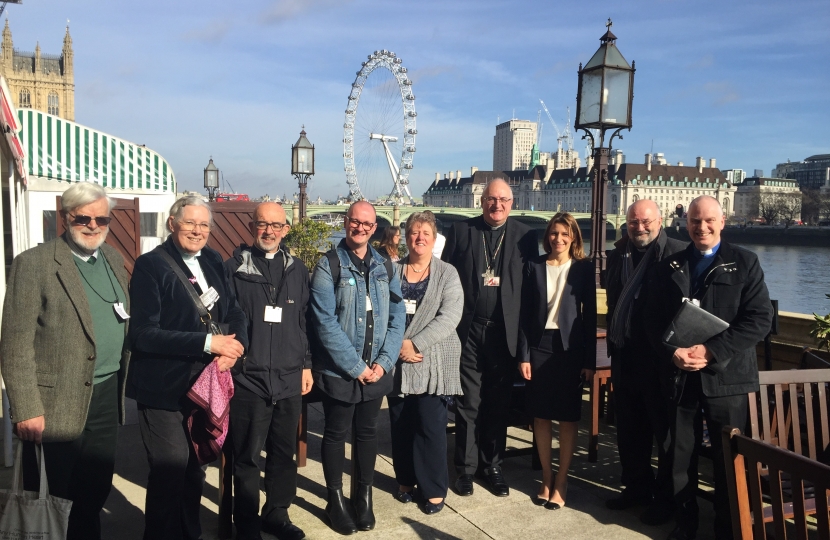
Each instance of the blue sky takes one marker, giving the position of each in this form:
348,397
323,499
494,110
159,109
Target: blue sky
744,82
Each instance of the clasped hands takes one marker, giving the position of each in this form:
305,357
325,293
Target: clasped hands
226,350
693,358
371,374
408,353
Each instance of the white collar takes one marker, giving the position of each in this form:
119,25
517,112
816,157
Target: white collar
73,247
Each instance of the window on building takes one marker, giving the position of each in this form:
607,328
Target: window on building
52,107
25,101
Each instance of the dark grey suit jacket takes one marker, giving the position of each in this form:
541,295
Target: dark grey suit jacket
48,342
463,250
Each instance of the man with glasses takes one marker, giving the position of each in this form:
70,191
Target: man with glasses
638,405
489,253
357,318
272,289
64,356
172,345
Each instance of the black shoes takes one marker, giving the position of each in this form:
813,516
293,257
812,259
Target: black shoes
403,496
464,485
363,508
494,481
629,499
338,513
433,508
284,530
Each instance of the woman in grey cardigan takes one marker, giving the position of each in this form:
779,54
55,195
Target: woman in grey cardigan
426,374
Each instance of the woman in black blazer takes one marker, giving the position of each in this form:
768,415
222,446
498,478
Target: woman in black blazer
559,324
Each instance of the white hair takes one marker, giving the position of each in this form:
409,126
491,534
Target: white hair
177,210
84,193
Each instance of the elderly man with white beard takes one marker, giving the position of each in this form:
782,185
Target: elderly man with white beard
64,356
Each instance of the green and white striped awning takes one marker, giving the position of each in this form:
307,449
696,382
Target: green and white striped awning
64,151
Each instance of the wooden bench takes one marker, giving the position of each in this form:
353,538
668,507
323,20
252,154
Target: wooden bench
744,458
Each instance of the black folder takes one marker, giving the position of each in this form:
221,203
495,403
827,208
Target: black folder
692,325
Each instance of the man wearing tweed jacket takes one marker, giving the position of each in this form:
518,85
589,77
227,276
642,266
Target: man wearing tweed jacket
64,358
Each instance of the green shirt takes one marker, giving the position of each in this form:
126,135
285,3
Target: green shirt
102,292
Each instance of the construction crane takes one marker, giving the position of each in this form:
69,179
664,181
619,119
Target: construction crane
3,6
539,127
561,137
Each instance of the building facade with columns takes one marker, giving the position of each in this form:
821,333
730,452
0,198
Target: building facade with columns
569,190
45,82
755,191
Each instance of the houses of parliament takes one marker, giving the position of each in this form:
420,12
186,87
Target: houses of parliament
45,82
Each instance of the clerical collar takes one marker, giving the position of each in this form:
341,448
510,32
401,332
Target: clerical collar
708,252
187,256
78,252
259,253
492,227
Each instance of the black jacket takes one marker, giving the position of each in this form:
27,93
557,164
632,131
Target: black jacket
278,352
167,336
637,348
577,308
734,290
463,251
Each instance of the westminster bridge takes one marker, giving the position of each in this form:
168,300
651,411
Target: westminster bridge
388,215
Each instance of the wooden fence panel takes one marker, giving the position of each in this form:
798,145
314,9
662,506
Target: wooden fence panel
230,226
124,229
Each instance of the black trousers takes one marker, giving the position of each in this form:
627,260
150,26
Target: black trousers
256,423
643,419
340,416
687,435
81,470
174,487
419,442
487,374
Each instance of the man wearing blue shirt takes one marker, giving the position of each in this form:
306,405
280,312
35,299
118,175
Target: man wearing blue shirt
714,376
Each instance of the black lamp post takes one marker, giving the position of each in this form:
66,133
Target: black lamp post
211,180
302,166
603,103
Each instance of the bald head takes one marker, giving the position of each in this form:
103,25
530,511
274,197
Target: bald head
360,222
360,206
496,202
643,221
269,226
705,221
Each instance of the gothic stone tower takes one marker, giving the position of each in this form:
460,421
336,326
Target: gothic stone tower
45,82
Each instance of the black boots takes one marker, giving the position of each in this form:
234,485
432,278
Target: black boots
363,507
338,513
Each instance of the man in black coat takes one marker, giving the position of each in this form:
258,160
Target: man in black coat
638,405
272,289
489,253
716,375
171,347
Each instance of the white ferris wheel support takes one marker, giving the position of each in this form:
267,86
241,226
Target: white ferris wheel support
400,172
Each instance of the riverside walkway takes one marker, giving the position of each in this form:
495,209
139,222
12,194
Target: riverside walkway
481,516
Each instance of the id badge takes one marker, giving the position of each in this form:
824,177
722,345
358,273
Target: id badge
209,298
368,303
120,312
411,306
273,314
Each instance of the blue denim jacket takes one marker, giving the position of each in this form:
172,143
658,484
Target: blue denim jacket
337,316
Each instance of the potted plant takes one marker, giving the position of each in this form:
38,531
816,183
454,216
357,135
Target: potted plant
309,239
821,330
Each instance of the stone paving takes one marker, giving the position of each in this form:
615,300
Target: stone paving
481,516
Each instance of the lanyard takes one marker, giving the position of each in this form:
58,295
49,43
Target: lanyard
107,270
490,262
278,289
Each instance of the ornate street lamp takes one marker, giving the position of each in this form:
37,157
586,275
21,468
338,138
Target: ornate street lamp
302,166
211,180
603,103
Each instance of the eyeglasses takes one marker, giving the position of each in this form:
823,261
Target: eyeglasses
493,200
645,223
263,225
365,225
189,226
83,221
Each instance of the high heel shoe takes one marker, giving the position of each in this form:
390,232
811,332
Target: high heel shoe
538,500
551,505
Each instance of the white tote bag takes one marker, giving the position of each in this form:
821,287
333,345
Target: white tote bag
30,515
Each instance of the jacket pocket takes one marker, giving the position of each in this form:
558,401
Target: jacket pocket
46,379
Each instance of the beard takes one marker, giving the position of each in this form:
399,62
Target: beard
85,242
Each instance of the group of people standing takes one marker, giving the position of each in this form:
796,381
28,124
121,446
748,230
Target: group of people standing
421,331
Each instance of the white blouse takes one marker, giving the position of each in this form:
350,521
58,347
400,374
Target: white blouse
556,278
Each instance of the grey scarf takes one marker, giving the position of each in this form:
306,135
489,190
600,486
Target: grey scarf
620,327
